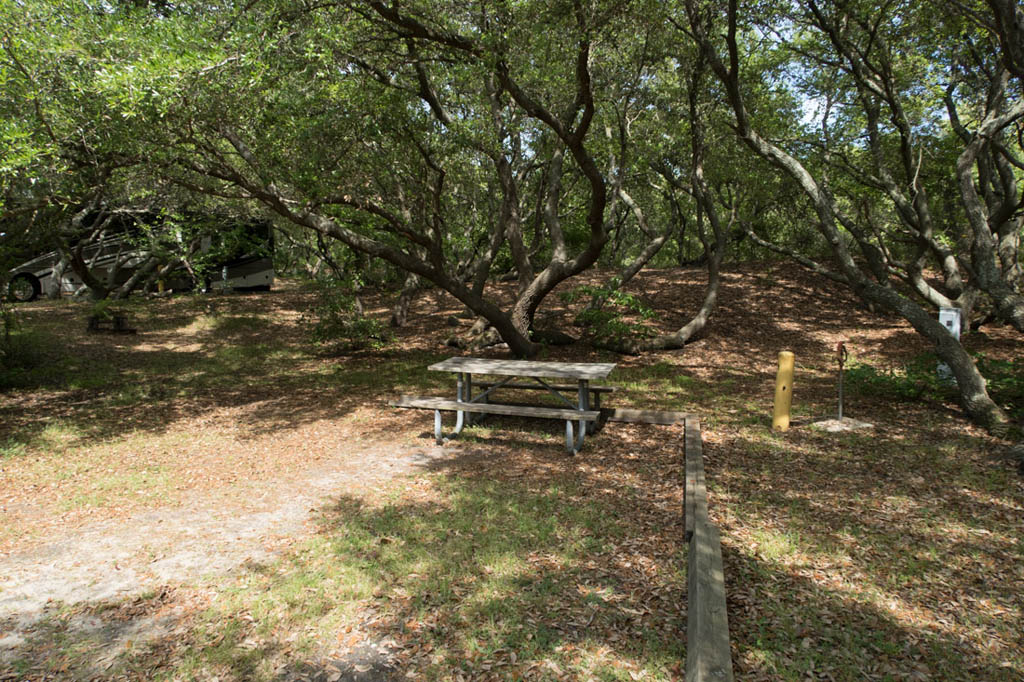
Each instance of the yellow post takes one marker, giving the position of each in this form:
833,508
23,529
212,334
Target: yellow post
783,391
160,285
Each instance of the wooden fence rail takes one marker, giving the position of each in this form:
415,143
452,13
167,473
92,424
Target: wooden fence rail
708,657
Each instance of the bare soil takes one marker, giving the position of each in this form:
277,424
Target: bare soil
110,560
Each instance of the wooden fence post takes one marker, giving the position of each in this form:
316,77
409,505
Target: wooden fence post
708,656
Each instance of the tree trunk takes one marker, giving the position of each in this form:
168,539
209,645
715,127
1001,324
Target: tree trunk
985,257
400,314
705,207
682,336
653,246
691,329
53,289
972,386
97,289
638,264
137,277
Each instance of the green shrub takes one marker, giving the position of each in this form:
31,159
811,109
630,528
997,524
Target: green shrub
919,379
337,322
911,381
611,314
102,309
107,310
1005,382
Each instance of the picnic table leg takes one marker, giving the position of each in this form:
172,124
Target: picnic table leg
574,445
460,419
484,398
584,404
463,386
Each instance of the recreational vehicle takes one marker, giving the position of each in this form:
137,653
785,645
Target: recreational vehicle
244,265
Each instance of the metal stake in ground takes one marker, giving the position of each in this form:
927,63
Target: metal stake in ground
841,424
841,356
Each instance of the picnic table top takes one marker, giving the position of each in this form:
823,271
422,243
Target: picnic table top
583,371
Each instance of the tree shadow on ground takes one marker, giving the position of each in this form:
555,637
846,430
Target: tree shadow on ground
542,568
551,566
900,549
585,553
515,561
766,308
785,626
100,387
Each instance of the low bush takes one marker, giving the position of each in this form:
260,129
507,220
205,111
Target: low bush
611,314
337,322
920,378
1005,383
913,380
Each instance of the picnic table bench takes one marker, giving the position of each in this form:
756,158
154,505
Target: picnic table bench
583,411
116,323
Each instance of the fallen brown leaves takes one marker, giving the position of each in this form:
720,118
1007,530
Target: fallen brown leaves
896,556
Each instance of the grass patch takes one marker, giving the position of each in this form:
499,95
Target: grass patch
233,325
480,575
852,556
918,378
460,575
12,448
118,488
402,371
53,437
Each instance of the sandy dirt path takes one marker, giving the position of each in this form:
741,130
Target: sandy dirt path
118,560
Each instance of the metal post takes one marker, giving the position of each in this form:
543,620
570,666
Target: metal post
841,355
583,403
460,415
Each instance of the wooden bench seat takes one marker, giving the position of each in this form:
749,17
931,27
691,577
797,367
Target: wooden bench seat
498,408
538,387
594,398
117,324
572,443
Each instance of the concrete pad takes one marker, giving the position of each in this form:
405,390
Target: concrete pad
841,426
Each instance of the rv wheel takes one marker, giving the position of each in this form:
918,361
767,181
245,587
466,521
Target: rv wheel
24,288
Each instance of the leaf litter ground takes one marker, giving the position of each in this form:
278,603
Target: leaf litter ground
211,500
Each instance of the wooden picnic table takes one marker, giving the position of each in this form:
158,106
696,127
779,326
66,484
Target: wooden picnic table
577,408
581,371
